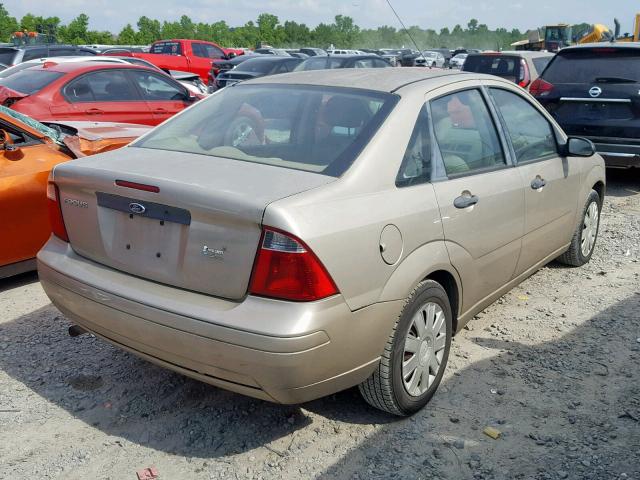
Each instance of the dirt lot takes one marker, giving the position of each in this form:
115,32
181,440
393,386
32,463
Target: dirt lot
553,365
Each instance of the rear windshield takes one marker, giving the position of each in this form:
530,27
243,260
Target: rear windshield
256,65
316,129
500,65
585,66
30,81
16,68
320,63
7,55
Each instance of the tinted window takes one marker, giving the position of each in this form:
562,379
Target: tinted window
416,163
213,51
7,55
531,133
198,50
257,65
101,86
584,66
16,68
156,88
500,65
378,63
466,133
166,48
317,129
62,52
30,81
33,53
365,63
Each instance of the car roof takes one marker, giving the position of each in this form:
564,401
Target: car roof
70,67
270,58
515,53
378,79
631,45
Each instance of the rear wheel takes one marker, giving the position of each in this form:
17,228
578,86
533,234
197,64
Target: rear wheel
415,356
584,238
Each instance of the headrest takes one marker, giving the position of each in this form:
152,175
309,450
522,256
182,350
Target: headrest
347,112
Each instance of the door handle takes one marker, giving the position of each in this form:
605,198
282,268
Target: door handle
94,111
160,111
465,200
538,183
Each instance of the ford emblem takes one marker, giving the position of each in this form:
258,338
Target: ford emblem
137,208
595,92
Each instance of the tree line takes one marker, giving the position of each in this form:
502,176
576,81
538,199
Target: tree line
267,29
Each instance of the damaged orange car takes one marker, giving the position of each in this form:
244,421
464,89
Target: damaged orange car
28,151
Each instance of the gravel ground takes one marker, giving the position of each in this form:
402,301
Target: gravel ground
553,366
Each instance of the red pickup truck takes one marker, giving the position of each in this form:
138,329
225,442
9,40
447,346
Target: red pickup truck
195,56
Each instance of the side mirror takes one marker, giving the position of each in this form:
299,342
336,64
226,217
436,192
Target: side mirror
230,55
580,147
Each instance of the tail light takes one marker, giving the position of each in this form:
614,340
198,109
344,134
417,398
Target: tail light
55,212
285,268
524,77
540,88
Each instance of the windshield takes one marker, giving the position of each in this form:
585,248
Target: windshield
316,129
586,65
30,81
320,63
49,132
256,65
501,65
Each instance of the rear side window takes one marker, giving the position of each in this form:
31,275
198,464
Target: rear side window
499,65
30,81
416,163
316,129
166,48
466,134
530,133
588,65
101,86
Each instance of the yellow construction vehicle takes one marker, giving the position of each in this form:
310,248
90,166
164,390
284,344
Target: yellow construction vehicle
627,37
561,35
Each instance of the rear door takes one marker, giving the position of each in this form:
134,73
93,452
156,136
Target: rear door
104,96
480,193
550,182
594,92
164,97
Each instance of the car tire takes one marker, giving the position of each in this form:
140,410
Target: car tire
584,238
387,389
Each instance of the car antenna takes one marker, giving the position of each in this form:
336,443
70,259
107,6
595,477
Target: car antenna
403,26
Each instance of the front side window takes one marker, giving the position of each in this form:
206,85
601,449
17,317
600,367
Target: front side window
155,88
416,163
531,134
101,86
316,129
465,133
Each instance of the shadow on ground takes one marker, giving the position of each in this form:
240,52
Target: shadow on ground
568,408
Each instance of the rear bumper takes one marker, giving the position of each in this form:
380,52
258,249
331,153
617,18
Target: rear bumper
618,154
278,351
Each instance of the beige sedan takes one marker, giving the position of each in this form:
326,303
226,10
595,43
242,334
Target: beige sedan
300,234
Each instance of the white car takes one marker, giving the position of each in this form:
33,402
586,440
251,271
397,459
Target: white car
430,59
458,60
344,52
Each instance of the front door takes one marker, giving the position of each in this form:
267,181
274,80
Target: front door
164,96
480,195
550,182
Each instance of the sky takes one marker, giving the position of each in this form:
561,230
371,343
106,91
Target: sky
112,15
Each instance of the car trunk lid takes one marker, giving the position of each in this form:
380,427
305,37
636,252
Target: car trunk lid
199,231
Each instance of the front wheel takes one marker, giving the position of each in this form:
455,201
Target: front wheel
415,356
584,238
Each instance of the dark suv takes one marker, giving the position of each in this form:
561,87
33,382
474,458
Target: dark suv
593,91
12,55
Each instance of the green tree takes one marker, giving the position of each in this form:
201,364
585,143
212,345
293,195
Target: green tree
8,24
127,36
148,30
472,25
346,31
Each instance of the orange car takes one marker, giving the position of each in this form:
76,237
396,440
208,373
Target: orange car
28,152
